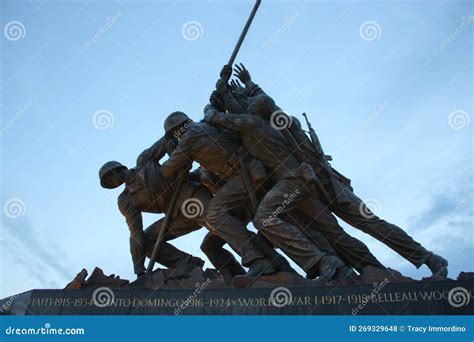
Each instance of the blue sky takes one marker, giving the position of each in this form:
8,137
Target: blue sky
387,85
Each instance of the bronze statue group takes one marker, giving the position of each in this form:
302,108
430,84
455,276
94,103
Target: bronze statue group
256,165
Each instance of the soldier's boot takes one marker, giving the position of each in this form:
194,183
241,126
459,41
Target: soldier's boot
198,262
259,268
282,265
235,270
326,267
438,265
278,261
220,258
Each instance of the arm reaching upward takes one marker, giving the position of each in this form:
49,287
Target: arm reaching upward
156,151
235,122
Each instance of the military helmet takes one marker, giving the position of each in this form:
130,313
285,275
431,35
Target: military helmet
105,171
296,123
175,120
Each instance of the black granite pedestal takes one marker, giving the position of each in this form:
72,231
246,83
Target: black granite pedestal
419,298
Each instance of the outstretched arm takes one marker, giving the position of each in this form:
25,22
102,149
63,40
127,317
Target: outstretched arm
223,97
235,122
251,89
156,152
133,217
181,158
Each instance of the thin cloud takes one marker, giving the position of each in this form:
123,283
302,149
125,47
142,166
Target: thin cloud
33,254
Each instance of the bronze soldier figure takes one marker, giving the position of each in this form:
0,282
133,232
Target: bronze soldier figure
292,189
218,153
355,212
221,153
147,190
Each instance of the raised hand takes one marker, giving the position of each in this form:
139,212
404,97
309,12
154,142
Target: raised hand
242,73
236,86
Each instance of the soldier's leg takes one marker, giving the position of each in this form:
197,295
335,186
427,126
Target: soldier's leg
222,259
282,198
212,244
358,215
169,255
319,220
223,220
278,261
306,224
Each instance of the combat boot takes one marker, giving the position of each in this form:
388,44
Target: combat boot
438,265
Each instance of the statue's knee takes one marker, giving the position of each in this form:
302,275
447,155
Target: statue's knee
262,221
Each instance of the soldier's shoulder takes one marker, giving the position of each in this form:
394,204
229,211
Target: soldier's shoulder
123,200
199,124
199,127
295,123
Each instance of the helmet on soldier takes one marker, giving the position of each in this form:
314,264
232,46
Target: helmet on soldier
107,171
174,121
261,105
295,123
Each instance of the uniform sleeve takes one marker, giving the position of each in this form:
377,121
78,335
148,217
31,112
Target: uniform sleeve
181,158
236,122
155,152
253,89
133,217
